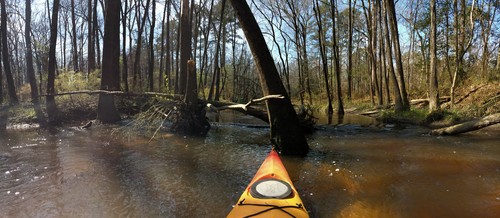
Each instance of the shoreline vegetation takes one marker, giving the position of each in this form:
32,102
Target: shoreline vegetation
473,102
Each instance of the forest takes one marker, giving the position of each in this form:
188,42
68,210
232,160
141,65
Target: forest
328,54
118,108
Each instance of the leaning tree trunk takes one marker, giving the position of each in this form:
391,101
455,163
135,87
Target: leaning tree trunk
285,129
106,109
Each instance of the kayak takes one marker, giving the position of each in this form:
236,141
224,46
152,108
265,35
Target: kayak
270,193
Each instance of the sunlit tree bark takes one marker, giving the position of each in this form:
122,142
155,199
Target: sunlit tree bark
391,14
433,79
396,94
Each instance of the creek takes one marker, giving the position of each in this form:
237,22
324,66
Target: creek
357,168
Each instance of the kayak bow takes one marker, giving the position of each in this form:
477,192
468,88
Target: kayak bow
270,193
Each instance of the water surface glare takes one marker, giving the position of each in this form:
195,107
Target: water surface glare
351,171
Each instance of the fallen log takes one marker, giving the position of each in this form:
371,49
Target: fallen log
95,92
442,100
469,93
468,126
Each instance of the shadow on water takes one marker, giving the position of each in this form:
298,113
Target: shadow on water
354,169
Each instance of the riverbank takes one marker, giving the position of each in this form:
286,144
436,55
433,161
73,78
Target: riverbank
472,101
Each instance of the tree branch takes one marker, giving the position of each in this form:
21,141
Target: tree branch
244,106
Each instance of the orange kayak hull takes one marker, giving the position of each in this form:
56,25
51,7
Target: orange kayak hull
249,205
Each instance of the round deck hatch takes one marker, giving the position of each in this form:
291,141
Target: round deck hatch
270,188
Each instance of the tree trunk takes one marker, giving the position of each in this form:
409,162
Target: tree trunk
95,32
74,50
106,110
349,50
468,126
1,74
391,13
376,63
30,71
322,48
90,39
151,65
396,94
214,92
370,50
11,88
138,50
50,101
285,129
336,58
124,47
190,118
433,80
185,43
170,52
3,111
161,79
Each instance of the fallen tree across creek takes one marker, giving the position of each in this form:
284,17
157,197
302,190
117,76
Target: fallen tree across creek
468,126
95,92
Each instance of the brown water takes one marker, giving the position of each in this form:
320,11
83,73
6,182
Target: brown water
351,171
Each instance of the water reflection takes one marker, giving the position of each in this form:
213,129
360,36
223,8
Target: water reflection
351,171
